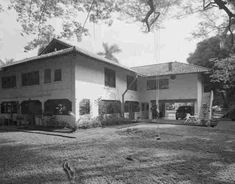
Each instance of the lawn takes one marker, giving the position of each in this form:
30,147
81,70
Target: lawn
129,154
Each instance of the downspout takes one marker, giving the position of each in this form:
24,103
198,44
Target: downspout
123,96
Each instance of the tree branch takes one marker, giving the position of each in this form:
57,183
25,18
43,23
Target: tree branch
150,12
43,8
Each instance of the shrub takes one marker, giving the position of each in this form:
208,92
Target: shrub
86,121
113,119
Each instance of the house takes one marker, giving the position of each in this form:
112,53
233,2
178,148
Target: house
69,82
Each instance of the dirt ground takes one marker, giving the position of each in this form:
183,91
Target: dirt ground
129,154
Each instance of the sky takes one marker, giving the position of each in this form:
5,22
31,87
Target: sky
171,43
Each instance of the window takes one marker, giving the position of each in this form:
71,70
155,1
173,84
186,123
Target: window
30,78
163,83
129,81
84,107
47,75
132,106
151,84
9,107
109,106
9,82
31,107
58,107
110,78
58,75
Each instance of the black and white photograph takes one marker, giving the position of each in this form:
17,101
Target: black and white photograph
117,91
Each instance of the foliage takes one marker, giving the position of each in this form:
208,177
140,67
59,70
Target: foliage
36,17
207,50
7,61
113,119
209,54
109,52
1,63
223,77
86,121
224,73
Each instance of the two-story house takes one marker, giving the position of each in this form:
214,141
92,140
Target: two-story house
68,82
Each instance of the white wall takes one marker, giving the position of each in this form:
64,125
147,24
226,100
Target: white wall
200,91
89,83
183,87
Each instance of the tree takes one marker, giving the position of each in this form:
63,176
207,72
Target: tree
223,76
109,51
209,49
1,63
36,16
9,61
221,62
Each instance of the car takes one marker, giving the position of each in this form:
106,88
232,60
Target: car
182,112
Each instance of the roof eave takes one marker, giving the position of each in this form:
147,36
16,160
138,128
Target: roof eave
175,74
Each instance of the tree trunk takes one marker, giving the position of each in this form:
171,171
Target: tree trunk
225,99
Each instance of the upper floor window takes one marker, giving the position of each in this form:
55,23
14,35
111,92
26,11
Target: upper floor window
110,78
154,84
30,78
151,84
163,83
47,75
129,80
58,75
9,82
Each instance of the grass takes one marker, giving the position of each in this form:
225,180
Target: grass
121,155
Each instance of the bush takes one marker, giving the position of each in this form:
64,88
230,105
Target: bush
113,119
202,122
86,121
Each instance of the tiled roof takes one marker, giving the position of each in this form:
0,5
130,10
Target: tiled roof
147,70
66,51
56,53
168,69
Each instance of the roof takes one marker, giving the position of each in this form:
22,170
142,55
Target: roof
57,53
147,70
55,44
67,51
169,69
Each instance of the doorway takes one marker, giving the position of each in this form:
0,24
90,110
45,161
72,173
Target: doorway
145,110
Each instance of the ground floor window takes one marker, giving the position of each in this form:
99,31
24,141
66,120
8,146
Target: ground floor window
58,107
84,107
31,107
9,107
132,106
109,106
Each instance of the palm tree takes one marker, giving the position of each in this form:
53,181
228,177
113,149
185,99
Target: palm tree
1,63
109,51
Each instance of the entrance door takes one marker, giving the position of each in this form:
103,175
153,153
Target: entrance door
31,108
131,107
162,109
145,110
